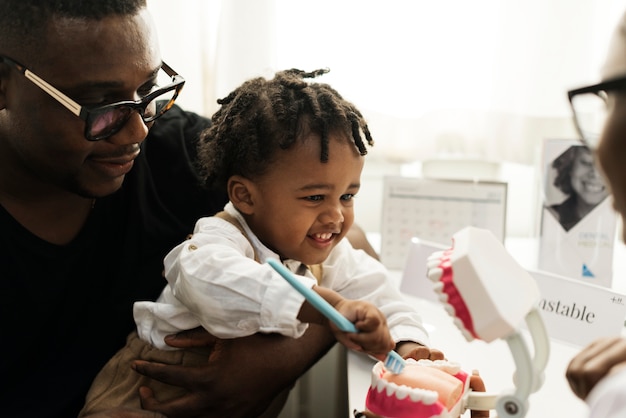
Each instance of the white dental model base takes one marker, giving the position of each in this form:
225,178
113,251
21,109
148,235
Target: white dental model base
489,294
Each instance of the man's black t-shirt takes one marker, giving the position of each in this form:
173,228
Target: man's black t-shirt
67,309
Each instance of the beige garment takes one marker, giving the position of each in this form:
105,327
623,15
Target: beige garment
118,385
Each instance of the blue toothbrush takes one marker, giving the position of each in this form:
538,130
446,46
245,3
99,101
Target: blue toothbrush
393,362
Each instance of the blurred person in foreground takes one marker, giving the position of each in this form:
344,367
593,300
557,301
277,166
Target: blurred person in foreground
597,374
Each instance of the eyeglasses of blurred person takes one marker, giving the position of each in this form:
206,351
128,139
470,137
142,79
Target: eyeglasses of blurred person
104,121
590,106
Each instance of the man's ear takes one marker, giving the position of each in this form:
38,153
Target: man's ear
241,193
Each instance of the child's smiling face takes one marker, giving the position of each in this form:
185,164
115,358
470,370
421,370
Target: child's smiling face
302,207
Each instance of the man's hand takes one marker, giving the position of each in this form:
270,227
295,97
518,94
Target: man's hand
242,376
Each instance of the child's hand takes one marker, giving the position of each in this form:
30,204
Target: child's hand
595,362
373,336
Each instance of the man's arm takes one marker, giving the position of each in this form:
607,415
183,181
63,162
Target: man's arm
242,375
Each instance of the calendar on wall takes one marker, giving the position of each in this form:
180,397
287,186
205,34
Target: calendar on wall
434,210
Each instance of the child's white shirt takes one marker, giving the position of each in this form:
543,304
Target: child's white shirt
213,281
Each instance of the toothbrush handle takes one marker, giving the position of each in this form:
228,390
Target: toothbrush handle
314,299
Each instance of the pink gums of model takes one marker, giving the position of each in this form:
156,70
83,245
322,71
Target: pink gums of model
481,286
424,389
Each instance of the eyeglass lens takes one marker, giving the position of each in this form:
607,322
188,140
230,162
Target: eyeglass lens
106,121
110,120
590,110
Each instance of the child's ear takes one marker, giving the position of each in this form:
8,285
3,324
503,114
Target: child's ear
240,193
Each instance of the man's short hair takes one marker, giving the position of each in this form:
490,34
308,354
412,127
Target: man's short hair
23,22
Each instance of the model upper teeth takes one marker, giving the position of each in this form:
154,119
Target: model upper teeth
325,235
434,273
425,396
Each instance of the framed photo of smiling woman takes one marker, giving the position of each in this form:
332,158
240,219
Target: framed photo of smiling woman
578,224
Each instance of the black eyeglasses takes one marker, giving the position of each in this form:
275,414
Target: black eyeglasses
103,121
590,107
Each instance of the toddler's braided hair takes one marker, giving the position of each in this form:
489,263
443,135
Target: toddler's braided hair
262,116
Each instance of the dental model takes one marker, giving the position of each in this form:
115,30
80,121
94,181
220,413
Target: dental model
423,389
482,286
489,295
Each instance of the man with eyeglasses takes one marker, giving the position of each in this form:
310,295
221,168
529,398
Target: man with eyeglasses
597,374
88,209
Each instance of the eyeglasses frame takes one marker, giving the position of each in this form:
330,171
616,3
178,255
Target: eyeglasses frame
84,112
618,83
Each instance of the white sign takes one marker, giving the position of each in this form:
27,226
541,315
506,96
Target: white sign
579,312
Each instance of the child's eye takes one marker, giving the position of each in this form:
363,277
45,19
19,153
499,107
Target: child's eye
347,196
315,198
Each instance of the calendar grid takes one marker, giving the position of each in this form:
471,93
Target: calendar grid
434,210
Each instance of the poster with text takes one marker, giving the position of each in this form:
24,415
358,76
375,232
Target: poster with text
578,223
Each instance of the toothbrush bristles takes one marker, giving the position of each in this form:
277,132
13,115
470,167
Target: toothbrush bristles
394,362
